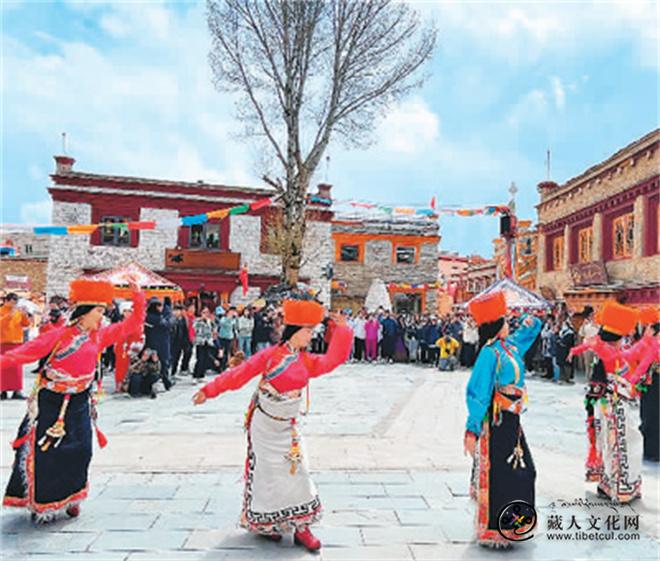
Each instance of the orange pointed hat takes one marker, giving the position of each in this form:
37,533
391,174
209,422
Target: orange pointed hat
85,292
303,312
488,308
649,316
617,318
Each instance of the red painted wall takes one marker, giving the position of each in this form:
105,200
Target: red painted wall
651,231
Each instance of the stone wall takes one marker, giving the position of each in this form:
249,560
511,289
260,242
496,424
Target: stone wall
70,255
34,269
318,251
378,265
67,254
28,244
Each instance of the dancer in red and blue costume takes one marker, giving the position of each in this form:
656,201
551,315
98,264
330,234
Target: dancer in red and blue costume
503,469
54,442
279,495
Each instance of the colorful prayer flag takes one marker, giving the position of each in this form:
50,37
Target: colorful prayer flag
239,209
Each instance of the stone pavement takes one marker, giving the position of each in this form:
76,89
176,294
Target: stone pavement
385,447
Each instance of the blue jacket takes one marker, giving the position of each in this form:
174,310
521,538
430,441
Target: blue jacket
389,327
495,367
431,333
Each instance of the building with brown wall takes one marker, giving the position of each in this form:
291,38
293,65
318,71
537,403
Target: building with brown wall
479,275
26,274
525,248
598,232
25,271
403,253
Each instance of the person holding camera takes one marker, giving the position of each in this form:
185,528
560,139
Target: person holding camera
144,373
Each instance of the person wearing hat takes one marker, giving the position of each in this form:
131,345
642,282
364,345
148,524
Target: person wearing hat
12,323
614,458
503,468
279,495
158,323
645,354
54,442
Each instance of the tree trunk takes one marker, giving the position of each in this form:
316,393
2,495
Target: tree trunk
294,227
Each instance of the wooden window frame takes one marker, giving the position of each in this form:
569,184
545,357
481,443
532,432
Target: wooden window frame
558,257
627,224
582,233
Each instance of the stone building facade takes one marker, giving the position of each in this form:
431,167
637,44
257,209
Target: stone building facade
401,253
478,276
26,244
598,232
27,274
191,256
26,269
524,245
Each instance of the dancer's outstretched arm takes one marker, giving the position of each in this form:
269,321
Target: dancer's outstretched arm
236,377
338,351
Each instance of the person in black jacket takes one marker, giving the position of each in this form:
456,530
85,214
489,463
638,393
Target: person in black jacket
157,328
261,331
181,344
565,342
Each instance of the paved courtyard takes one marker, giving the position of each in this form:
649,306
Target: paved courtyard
385,447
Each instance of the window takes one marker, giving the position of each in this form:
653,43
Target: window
526,246
205,236
623,236
349,253
558,253
585,244
115,235
405,255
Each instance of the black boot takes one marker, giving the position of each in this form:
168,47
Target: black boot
3,395
18,395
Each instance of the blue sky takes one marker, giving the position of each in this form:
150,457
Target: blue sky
130,84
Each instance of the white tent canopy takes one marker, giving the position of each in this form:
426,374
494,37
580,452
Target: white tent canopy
516,296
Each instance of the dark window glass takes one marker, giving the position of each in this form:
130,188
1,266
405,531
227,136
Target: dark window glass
113,235
405,254
206,236
349,252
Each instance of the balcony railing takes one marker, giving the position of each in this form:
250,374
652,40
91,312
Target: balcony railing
202,259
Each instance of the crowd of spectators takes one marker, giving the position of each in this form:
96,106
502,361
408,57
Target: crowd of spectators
199,338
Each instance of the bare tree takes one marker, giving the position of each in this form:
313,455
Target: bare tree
305,71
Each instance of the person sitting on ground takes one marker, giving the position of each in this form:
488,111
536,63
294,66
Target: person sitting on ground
448,347
144,372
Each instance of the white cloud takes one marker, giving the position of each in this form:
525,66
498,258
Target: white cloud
409,128
529,109
38,212
558,92
522,33
133,108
